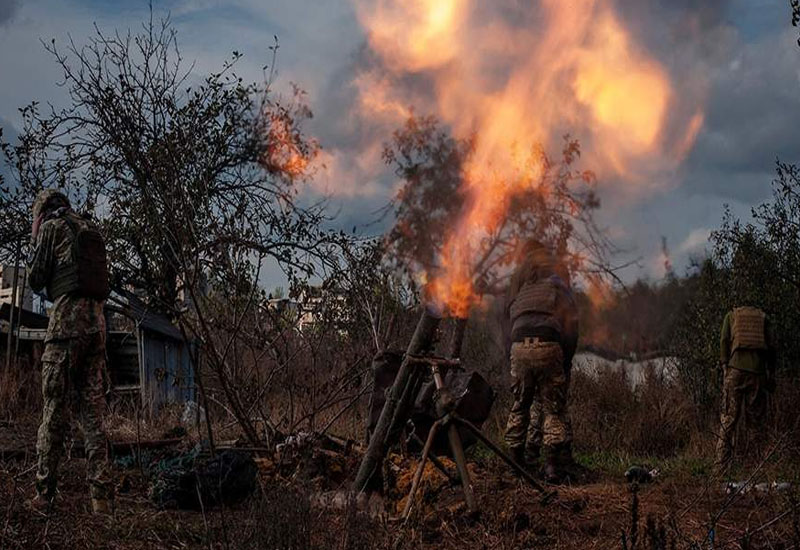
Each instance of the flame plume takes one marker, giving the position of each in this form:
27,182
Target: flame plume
513,77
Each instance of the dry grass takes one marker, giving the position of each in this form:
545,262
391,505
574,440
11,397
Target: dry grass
614,426
655,419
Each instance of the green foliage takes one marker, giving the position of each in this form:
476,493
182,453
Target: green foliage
755,263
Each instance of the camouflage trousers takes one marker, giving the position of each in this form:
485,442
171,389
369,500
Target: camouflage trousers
539,415
533,444
73,373
743,395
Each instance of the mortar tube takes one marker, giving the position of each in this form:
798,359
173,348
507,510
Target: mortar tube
457,338
423,339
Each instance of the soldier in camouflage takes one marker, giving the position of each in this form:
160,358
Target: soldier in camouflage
569,345
73,361
544,331
747,359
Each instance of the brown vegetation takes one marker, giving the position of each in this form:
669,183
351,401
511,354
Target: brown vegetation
193,219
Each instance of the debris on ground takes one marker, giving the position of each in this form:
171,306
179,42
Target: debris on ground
372,504
198,480
193,413
743,487
640,474
294,446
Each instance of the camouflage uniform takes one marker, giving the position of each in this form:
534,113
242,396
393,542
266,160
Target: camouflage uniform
73,362
748,361
544,336
533,444
540,392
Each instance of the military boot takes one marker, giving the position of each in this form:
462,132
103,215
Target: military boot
551,472
532,453
518,454
560,467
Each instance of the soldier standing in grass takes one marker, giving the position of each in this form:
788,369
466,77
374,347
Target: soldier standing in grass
544,330
747,359
68,263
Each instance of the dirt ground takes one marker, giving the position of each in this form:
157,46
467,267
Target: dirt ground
681,509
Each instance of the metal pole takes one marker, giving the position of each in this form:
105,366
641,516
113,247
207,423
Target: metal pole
457,339
456,343
435,460
420,469
13,300
454,439
507,459
461,464
21,303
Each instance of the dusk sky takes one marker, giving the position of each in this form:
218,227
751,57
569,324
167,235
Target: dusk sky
739,66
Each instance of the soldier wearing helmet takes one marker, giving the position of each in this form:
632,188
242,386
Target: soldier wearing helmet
747,361
544,332
68,265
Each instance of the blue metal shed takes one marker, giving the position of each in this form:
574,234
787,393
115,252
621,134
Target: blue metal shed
152,359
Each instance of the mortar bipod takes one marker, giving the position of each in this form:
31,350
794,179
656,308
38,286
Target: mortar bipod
449,419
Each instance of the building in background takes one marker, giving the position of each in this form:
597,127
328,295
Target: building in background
312,304
149,363
24,296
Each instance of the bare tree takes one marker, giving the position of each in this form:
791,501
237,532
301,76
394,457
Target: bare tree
193,179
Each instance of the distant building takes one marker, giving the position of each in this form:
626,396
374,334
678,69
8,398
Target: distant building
313,302
24,296
594,363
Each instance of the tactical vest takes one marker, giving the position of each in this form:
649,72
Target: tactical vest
747,328
535,297
86,275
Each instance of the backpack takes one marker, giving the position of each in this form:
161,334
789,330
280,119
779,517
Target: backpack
87,275
535,297
747,328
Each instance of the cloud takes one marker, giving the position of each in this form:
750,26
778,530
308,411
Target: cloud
8,9
696,239
739,56
753,117
721,53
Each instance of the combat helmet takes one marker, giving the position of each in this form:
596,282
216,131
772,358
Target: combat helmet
49,199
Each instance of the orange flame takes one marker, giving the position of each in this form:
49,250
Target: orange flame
284,151
582,71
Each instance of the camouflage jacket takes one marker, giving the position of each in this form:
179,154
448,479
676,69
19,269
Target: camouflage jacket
70,316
